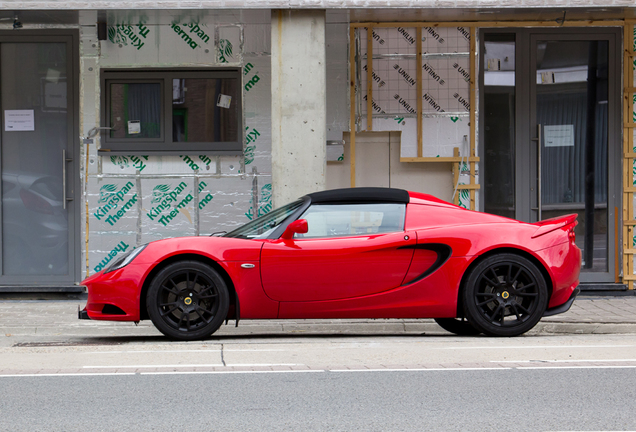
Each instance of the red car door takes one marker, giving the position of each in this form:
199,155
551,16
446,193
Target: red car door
336,267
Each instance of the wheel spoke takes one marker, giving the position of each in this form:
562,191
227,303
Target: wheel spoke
495,313
170,290
492,270
207,297
522,294
485,302
523,309
169,311
489,281
514,279
181,320
525,287
514,308
167,304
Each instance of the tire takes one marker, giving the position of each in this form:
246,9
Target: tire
187,300
505,295
458,326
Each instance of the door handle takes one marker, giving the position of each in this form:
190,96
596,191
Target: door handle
538,140
64,161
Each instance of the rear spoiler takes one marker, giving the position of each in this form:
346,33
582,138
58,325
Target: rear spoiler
549,225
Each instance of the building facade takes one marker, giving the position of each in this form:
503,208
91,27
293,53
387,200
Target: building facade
127,122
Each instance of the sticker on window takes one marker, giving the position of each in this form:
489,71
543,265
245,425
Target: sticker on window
224,101
134,127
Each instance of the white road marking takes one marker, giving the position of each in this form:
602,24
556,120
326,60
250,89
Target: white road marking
576,367
564,361
532,347
230,372
418,369
183,351
66,374
220,372
191,365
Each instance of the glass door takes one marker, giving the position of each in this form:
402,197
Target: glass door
37,161
551,133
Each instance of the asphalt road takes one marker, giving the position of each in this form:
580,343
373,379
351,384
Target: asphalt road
369,383
434,400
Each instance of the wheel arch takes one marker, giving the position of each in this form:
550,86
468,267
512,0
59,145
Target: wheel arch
496,251
233,313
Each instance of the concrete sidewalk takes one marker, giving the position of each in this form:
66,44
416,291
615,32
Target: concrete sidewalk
30,321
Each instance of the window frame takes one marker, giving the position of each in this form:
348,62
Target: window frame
164,145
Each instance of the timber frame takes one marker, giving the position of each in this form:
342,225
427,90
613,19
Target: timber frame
629,123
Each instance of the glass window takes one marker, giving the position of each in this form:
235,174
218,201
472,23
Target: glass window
340,220
264,225
135,110
202,113
203,110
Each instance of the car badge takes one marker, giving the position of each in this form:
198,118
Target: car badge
187,301
505,295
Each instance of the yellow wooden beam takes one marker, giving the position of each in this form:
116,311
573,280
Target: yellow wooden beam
418,45
369,78
576,23
352,105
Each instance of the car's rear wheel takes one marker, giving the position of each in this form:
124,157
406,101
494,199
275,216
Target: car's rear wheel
458,326
187,300
505,295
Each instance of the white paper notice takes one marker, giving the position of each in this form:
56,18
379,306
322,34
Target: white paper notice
134,127
558,136
224,101
19,120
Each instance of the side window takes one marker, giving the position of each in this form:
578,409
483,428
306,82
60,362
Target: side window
340,220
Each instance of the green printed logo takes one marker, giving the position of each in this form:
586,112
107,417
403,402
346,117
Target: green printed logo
192,164
251,82
464,198
124,162
111,198
163,195
206,199
265,204
121,247
400,120
250,137
186,36
225,50
121,34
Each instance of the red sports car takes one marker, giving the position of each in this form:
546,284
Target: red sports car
350,253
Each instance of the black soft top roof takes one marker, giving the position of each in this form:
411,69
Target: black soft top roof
361,195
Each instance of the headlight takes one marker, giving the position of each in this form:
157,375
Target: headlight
124,260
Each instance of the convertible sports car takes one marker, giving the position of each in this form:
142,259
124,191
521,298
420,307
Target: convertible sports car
350,253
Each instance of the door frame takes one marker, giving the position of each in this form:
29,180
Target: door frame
525,150
73,184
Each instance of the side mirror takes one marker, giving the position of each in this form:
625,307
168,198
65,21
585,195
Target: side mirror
296,227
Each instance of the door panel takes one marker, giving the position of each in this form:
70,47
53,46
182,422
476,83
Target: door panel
38,178
551,132
570,97
335,268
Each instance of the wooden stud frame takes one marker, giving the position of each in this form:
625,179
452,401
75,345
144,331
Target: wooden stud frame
628,153
629,125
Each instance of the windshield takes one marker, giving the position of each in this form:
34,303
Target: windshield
264,225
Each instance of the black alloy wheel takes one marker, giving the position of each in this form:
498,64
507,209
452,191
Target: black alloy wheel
458,326
505,295
187,300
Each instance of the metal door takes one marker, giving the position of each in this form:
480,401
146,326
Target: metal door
551,132
38,160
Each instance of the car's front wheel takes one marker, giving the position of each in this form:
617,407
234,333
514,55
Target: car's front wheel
505,295
187,300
